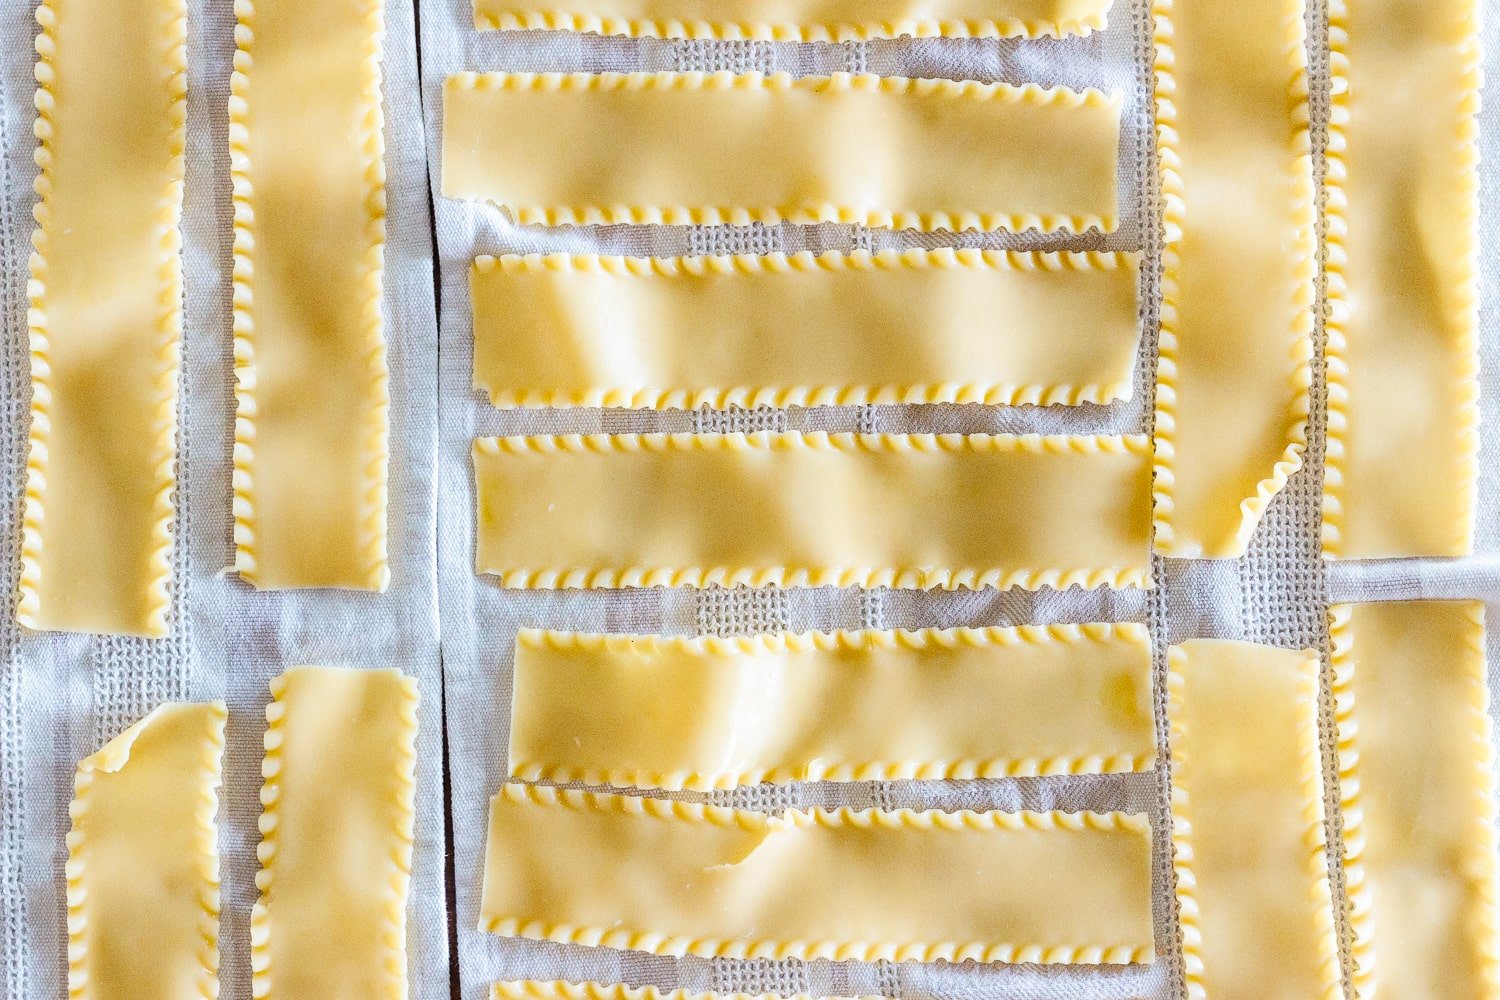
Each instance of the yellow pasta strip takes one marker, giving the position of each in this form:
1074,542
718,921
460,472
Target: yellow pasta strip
557,989
105,316
306,153
801,20
143,861
710,713
681,148
934,326
1240,267
678,878
336,836
922,511
1247,823
1418,790
1403,243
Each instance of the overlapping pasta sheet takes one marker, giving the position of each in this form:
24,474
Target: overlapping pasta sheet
679,878
766,509
557,989
680,148
336,835
143,861
938,326
1418,789
1247,822
105,316
1403,240
1240,267
801,20
705,713
307,158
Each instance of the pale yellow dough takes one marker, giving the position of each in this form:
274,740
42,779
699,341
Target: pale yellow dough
1247,823
678,878
557,989
682,148
710,713
1240,267
916,327
105,317
1403,335
801,20
336,836
143,861
306,152
766,509
1418,790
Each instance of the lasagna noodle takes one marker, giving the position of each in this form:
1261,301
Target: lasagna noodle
1240,267
143,861
681,148
1247,812
711,713
814,510
917,327
801,20
678,878
309,196
1403,338
1415,761
336,835
105,316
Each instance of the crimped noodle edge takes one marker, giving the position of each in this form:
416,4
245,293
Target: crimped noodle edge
516,18
110,758
377,428
932,820
559,989
749,397
802,214
578,577
1174,195
169,326
393,985
1351,808
1320,899
787,642
1465,319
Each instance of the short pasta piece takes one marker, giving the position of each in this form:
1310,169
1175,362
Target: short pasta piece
935,326
105,316
678,878
307,160
1418,791
711,713
1240,267
1403,333
679,148
793,509
801,20
336,835
1247,823
557,989
143,860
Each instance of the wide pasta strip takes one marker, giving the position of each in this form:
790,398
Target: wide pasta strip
1418,791
705,713
1247,822
143,861
1240,267
679,878
1403,334
679,148
801,20
105,316
938,326
559,989
766,509
306,145
336,835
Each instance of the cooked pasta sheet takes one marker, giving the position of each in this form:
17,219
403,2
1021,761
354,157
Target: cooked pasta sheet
937,326
679,148
678,878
